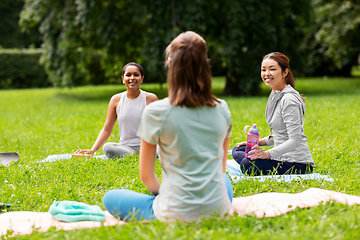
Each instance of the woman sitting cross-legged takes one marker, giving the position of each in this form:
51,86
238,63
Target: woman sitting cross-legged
127,107
284,114
192,128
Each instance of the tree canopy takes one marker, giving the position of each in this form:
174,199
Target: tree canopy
82,38
340,30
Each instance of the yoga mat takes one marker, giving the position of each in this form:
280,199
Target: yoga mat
66,156
233,169
8,157
24,222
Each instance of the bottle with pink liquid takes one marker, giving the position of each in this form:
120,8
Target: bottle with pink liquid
252,138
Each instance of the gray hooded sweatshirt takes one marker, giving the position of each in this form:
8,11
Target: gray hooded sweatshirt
284,115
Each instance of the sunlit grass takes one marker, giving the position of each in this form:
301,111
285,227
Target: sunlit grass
40,122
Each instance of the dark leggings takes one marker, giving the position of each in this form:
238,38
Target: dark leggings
258,167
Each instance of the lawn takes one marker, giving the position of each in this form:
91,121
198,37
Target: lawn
39,122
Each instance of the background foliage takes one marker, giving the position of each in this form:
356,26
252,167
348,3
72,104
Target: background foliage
11,35
340,30
237,34
20,68
88,42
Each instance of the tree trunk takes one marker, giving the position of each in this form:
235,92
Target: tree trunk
232,88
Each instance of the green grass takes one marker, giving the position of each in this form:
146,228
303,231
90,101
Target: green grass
40,122
355,71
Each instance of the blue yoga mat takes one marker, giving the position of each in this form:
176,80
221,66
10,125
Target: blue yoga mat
65,156
233,169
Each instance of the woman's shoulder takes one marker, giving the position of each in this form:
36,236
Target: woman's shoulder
117,96
224,108
160,104
151,97
115,99
223,104
158,108
291,95
291,98
222,101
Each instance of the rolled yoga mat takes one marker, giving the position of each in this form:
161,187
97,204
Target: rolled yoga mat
8,157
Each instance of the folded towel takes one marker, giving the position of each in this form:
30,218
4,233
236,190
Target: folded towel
233,169
72,211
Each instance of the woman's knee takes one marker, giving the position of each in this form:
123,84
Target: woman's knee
112,198
248,166
108,149
113,150
238,153
128,204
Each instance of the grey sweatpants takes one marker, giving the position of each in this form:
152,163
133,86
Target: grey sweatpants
117,150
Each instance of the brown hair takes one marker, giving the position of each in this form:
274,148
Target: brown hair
283,62
133,64
189,74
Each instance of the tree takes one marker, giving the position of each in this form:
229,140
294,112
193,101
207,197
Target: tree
124,30
252,30
167,19
75,32
244,31
10,32
339,30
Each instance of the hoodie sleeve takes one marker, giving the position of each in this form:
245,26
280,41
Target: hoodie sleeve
292,113
269,142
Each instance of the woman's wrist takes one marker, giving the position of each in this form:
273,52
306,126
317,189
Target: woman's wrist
262,142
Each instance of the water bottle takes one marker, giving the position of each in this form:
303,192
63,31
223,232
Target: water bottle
252,138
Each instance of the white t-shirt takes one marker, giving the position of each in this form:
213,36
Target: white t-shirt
191,152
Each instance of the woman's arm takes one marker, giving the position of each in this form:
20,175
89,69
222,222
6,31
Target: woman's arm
293,121
107,128
226,148
147,167
262,141
292,118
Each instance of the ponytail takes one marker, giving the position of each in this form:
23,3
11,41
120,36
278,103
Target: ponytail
289,79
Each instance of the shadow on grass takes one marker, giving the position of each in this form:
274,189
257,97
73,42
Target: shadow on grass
104,92
306,86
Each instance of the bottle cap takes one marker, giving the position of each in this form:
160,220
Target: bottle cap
254,129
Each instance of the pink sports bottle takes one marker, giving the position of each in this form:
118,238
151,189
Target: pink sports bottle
252,138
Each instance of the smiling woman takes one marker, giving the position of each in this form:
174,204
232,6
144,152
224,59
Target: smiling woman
127,107
284,114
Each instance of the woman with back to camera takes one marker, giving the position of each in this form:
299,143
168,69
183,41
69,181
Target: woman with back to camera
284,114
127,107
192,128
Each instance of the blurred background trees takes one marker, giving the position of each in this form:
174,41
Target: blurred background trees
11,35
88,42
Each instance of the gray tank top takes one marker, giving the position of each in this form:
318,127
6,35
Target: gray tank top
129,112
